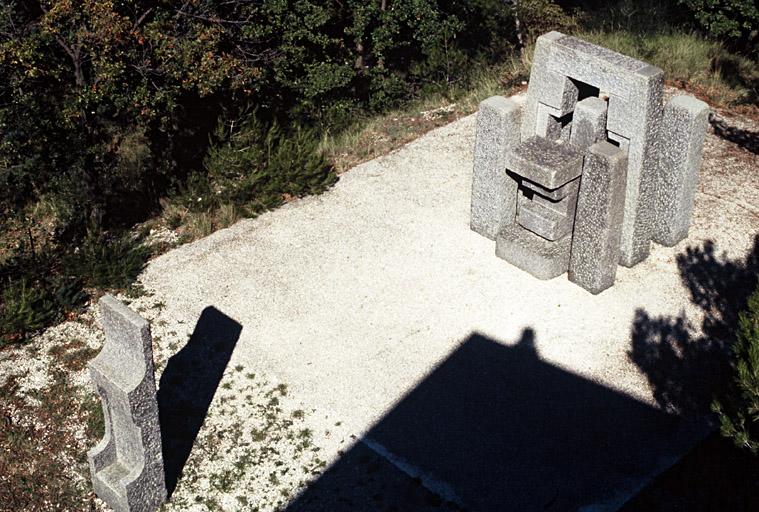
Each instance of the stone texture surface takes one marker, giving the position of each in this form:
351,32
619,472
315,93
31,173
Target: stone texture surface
635,92
555,194
127,464
682,139
545,87
545,162
600,208
542,220
525,250
494,193
588,123
408,282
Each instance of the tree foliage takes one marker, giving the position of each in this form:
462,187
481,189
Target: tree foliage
737,20
739,413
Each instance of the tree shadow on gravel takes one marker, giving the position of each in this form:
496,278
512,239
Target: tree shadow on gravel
687,368
188,385
744,138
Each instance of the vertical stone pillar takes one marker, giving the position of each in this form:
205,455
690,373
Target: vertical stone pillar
598,222
494,193
588,123
681,142
127,464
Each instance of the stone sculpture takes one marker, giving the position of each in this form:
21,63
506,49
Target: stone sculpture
589,168
127,464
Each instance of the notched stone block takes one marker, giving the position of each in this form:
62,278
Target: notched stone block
588,123
532,253
545,162
127,464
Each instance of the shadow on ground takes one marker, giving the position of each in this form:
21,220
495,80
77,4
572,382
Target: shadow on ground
687,367
744,138
495,428
188,385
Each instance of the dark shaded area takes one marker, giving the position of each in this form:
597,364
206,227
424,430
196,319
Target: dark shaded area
746,139
495,428
188,385
714,476
685,368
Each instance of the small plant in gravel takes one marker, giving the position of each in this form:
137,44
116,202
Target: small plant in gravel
268,452
42,446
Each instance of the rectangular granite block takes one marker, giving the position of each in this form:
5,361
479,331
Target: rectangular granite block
494,193
635,91
682,138
526,250
588,123
598,221
545,162
545,221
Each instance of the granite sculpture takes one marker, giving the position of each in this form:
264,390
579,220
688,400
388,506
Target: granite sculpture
127,464
589,168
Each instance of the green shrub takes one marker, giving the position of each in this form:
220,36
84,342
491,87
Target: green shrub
255,167
108,263
739,413
27,307
731,19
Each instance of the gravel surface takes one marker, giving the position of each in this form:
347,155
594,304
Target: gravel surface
400,348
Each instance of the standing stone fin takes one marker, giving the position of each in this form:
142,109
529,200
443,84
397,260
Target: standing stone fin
127,465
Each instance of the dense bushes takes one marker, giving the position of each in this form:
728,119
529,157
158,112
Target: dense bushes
106,102
114,111
735,20
108,108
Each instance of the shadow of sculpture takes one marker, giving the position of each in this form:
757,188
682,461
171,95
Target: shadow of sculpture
688,367
495,428
188,385
744,138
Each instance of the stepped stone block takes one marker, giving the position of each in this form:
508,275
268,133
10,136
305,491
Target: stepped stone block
555,194
683,132
127,464
545,162
541,220
598,224
494,193
526,250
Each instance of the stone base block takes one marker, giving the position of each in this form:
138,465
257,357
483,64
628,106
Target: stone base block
531,253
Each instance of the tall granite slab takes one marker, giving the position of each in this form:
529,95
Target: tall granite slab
682,139
494,194
635,91
127,464
598,224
